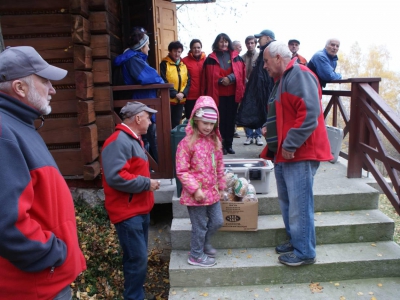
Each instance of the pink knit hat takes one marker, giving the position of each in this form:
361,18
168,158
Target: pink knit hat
206,114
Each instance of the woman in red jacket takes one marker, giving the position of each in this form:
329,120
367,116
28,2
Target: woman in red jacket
223,79
194,62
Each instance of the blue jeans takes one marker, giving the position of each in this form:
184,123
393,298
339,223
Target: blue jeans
133,236
65,294
252,133
206,220
294,182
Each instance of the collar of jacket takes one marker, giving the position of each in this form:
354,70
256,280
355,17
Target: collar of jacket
18,109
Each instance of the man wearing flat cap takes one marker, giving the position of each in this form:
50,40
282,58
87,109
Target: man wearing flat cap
294,45
258,89
129,191
39,249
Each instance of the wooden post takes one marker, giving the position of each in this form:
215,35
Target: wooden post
1,39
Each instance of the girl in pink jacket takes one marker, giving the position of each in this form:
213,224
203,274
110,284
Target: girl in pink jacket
200,168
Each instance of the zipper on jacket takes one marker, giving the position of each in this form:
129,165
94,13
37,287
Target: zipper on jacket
51,273
130,198
180,80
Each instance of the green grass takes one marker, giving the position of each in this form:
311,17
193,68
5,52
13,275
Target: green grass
387,208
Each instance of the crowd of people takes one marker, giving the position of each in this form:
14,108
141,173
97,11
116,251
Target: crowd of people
39,249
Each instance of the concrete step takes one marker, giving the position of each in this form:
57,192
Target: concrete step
331,227
260,266
361,289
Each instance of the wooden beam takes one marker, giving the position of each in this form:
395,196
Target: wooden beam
102,71
59,131
65,102
111,6
82,57
100,45
69,161
104,22
48,48
27,5
105,127
103,99
79,7
86,114
80,30
35,24
68,80
91,171
84,85
89,145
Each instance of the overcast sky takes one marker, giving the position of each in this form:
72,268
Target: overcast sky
312,22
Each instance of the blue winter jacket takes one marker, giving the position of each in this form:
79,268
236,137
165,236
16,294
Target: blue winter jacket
136,71
323,65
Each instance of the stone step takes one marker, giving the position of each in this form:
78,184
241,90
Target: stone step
331,227
360,289
260,266
333,191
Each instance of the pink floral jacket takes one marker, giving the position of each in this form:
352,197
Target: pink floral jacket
201,165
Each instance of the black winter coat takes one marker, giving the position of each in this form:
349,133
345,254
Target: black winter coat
253,109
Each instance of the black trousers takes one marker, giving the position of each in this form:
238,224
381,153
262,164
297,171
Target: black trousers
227,116
176,115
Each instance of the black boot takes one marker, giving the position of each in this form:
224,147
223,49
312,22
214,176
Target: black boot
230,150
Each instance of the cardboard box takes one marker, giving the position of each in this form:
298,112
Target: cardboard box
257,171
239,216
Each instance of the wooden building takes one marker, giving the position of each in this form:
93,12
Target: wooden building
83,37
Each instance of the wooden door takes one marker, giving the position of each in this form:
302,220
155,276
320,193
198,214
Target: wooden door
165,27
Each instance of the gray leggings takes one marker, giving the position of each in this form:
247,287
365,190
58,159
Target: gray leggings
206,220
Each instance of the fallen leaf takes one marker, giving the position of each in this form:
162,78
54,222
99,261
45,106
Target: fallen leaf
371,293
360,293
266,289
243,251
380,284
379,255
249,256
315,287
373,245
173,293
342,298
337,284
318,213
229,251
373,298
256,295
185,290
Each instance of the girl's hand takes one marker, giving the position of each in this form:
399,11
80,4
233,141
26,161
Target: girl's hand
199,195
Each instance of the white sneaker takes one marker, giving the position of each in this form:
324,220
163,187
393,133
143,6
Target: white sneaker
248,141
259,141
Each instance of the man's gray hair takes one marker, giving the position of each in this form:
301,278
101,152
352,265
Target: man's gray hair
6,86
234,43
330,40
281,49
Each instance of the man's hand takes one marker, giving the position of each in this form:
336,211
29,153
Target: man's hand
180,96
154,185
264,131
199,195
226,81
287,154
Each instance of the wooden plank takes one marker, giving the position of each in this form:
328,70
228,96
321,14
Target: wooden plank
35,24
82,57
102,71
48,48
27,5
100,45
89,145
59,131
69,161
91,171
112,6
86,114
80,30
103,99
104,22
64,101
68,80
105,127
84,85
79,7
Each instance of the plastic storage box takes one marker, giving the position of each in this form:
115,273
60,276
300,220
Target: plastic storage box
335,136
257,171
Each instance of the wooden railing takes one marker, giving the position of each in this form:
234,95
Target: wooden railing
369,123
164,168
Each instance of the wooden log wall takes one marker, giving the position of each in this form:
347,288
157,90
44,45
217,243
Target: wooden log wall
81,36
